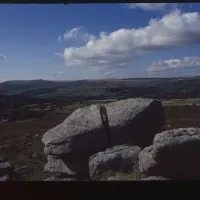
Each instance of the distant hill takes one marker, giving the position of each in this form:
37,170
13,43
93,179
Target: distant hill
23,84
105,88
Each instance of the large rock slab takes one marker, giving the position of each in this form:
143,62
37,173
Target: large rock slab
55,164
174,155
132,121
73,166
79,132
119,158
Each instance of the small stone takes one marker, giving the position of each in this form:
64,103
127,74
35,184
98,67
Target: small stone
36,154
5,165
23,167
37,135
28,136
5,178
18,168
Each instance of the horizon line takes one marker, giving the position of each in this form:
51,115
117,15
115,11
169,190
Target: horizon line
100,79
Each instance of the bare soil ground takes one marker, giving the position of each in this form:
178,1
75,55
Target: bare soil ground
25,146
182,117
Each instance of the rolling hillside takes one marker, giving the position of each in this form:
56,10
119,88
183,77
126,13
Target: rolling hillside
105,89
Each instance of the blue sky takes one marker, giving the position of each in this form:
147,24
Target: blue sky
65,42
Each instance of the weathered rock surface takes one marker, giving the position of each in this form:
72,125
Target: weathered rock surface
147,163
119,158
79,132
5,165
76,166
56,164
60,179
154,178
120,177
174,155
5,178
113,178
132,121
6,169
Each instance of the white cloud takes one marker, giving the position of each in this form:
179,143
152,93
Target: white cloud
59,54
152,6
109,73
147,6
78,33
119,48
61,72
171,64
59,39
2,57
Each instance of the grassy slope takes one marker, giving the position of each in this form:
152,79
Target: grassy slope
52,89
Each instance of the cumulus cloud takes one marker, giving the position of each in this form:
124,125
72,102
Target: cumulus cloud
148,6
117,49
2,57
78,33
154,6
171,64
